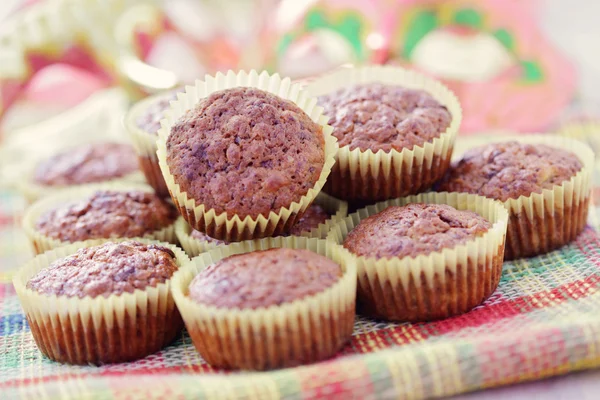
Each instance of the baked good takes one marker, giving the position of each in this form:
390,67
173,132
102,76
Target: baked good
424,257
279,307
107,214
414,229
116,291
96,213
373,116
257,131
512,171
89,163
314,216
142,123
267,145
396,131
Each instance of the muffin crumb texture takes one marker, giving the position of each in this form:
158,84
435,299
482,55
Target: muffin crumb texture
107,214
384,117
509,170
245,151
264,278
94,162
149,120
415,229
108,269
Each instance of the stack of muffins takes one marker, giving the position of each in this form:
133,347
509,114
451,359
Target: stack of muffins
261,174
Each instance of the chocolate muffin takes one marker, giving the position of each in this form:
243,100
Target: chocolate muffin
118,295
509,170
264,278
267,145
414,229
105,270
95,162
312,218
107,214
374,116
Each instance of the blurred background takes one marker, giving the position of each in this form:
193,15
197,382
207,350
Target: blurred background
70,68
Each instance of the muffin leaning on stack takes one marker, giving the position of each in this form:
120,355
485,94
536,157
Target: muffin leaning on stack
244,155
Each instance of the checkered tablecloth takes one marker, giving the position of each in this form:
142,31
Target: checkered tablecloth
543,320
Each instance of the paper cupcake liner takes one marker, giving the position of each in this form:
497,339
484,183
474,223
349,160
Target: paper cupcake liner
235,228
364,176
145,144
336,208
303,331
433,286
546,221
99,330
42,243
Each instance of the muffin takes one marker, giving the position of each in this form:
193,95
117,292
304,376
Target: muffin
315,222
97,214
119,292
531,178
85,164
143,122
425,257
293,296
223,132
396,131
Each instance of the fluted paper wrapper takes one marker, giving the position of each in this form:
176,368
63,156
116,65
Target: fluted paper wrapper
42,243
99,330
145,143
303,331
234,228
436,285
366,176
545,221
336,208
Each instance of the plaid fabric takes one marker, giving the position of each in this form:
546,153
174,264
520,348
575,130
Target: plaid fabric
542,321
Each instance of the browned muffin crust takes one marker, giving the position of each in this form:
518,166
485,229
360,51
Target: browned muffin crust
264,278
149,120
413,230
245,151
205,238
95,162
107,269
509,170
108,214
314,216
384,117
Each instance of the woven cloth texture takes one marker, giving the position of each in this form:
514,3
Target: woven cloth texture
543,320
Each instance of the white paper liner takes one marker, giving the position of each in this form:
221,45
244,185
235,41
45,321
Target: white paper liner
336,208
42,243
99,330
437,285
305,330
366,176
235,228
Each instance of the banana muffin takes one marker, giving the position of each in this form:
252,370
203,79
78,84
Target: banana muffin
268,146
107,214
95,162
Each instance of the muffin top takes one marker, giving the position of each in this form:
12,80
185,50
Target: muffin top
509,170
384,117
111,268
413,230
95,162
267,146
149,120
264,278
312,218
107,214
